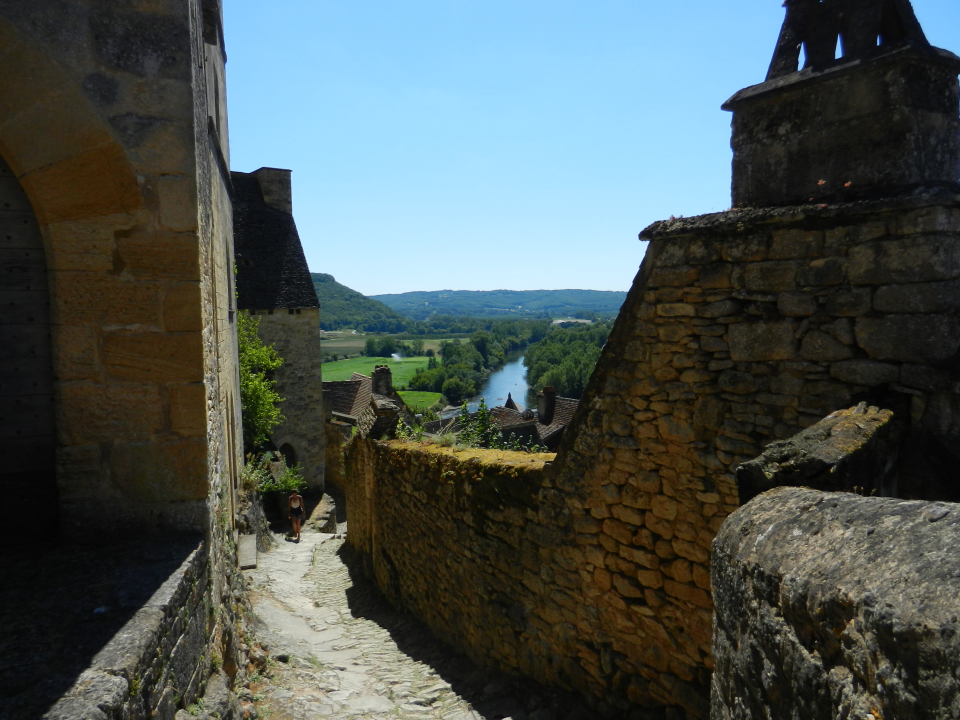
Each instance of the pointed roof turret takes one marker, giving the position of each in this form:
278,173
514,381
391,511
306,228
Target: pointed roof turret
510,403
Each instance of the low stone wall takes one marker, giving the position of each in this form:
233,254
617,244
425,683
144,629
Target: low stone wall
837,606
469,542
161,659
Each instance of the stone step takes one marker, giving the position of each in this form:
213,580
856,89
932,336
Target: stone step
247,552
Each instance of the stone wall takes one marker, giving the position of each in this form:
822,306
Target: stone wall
133,210
296,336
742,328
837,606
160,660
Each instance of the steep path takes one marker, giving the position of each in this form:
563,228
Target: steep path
347,653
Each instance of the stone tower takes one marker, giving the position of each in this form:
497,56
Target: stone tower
273,283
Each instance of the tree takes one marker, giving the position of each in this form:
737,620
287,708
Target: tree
454,389
259,400
370,347
417,347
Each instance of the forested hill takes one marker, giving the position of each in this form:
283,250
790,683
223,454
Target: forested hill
342,307
505,303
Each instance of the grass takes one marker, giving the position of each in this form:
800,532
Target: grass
420,400
348,344
402,370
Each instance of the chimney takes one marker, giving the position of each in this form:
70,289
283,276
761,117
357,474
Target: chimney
275,186
382,380
546,402
881,119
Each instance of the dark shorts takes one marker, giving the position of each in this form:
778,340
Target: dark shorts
296,513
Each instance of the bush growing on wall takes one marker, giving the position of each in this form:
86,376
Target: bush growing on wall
259,400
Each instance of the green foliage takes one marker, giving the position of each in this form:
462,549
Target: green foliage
503,303
566,357
257,475
481,431
259,401
342,307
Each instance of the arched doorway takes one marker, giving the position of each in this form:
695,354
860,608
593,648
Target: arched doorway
289,454
28,488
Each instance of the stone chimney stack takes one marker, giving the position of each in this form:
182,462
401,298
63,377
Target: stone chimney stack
382,380
880,119
546,403
276,189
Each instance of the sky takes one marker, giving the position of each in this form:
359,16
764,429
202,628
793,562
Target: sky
521,145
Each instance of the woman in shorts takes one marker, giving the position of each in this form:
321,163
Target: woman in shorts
296,511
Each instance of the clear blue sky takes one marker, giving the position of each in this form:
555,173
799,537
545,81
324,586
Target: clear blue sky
467,145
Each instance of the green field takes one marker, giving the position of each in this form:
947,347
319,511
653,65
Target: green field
402,370
349,344
420,400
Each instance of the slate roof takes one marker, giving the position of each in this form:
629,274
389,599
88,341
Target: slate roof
272,271
348,397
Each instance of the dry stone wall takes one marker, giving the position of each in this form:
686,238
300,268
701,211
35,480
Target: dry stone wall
742,328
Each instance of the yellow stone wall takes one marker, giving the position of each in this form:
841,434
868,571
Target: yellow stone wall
107,131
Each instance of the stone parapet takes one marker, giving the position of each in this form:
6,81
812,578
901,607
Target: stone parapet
157,662
836,605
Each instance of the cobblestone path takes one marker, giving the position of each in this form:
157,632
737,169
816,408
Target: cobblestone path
347,653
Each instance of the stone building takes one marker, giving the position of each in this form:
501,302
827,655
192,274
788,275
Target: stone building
119,411
369,404
120,386
274,284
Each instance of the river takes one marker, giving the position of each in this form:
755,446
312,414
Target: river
510,379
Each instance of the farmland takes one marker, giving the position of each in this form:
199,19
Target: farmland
403,370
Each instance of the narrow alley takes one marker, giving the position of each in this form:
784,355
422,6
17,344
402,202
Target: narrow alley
345,652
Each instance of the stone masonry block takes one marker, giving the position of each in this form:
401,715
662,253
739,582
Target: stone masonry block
795,244
762,341
908,260
188,409
770,277
183,308
96,413
154,357
818,346
865,372
161,471
935,297
850,302
86,298
910,338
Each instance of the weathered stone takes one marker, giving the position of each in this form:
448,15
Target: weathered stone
906,260
864,372
796,305
795,244
938,297
909,338
818,346
850,302
676,310
715,277
750,249
737,382
723,308
770,277
848,448
781,587
826,271
762,341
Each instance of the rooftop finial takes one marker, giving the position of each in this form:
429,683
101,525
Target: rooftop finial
862,27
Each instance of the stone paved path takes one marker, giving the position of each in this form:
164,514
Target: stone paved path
348,653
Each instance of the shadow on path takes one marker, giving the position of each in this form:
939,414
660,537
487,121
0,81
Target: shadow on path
493,695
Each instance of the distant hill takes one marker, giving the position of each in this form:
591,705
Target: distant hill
342,307
504,303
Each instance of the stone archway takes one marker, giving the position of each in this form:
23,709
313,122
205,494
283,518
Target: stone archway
110,172
28,486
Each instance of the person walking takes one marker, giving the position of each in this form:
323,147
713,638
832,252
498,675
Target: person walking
296,511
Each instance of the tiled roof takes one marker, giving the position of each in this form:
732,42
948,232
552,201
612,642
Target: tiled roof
341,395
364,394
562,415
272,271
